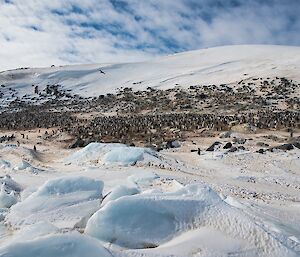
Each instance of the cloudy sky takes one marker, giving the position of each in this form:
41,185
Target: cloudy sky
45,32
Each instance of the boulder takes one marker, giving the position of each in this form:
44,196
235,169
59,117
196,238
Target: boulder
172,144
261,151
227,145
77,143
240,141
284,147
226,134
212,147
232,149
296,144
262,144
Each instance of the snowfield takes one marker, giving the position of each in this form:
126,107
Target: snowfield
227,64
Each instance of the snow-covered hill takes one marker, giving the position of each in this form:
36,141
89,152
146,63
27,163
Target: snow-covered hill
228,64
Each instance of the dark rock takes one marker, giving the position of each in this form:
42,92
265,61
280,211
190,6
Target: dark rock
227,145
239,140
241,148
262,144
77,143
232,149
284,147
297,144
261,151
212,147
172,144
226,134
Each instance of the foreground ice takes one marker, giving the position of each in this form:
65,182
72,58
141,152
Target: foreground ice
62,245
62,201
120,154
7,199
4,164
120,191
151,220
143,178
8,191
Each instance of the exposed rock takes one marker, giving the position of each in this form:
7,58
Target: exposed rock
226,134
172,144
232,149
240,141
212,147
262,144
261,151
227,145
284,147
77,143
297,144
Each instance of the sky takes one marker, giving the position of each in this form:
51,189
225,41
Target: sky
39,33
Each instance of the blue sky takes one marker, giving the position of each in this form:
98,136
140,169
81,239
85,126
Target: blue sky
45,32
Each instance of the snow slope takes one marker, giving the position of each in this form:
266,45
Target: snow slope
228,64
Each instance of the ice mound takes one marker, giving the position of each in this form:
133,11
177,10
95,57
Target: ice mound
140,221
120,191
10,184
7,199
124,156
67,185
8,191
63,245
152,219
24,165
111,154
4,164
34,231
143,178
62,201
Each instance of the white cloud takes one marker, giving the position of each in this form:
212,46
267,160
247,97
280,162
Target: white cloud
45,32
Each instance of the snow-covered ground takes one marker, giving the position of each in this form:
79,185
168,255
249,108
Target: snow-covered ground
141,203
228,64
116,200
